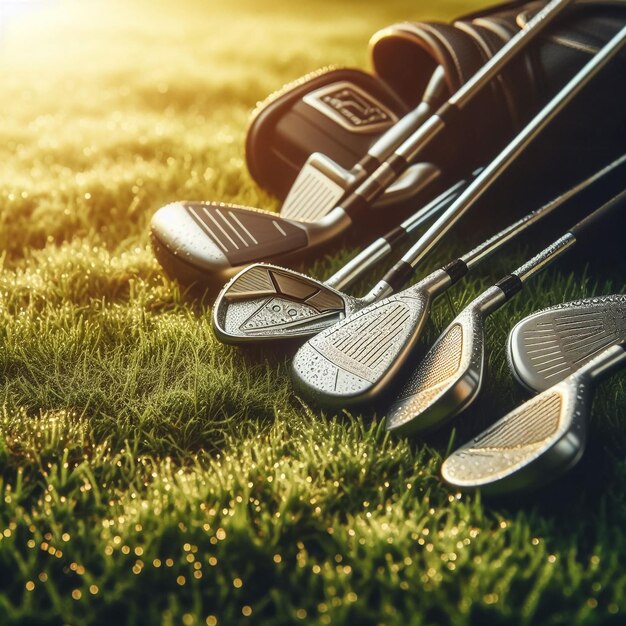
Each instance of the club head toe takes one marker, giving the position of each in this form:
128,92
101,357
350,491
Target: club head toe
184,248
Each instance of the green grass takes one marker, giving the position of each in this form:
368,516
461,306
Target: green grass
149,474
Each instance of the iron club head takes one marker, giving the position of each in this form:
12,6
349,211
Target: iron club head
351,362
266,302
208,243
450,375
537,441
549,345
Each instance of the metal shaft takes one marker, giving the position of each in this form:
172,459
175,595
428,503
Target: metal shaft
397,163
488,247
369,257
471,195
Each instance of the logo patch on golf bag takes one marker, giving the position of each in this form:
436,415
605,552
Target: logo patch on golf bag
351,107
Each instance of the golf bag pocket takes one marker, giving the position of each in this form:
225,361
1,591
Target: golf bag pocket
339,112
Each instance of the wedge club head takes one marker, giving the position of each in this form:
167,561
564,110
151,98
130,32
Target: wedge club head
536,442
322,183
450,375
266,302
351,362
549,345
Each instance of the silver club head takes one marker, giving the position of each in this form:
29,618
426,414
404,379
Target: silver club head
319,186
537,441
209,243
549,345
265,302
354,360
450,375
322,183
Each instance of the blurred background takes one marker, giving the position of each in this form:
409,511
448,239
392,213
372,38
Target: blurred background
109,109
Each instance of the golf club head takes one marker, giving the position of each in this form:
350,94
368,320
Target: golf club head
549,345
322,183
265,302
352,362
535,442
209,243
318,188
450,375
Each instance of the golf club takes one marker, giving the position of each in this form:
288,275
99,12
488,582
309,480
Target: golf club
209,243
449,378
536,442
330,366
549,345
322,183
266,302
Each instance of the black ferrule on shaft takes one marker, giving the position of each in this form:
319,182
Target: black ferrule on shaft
369,164
396,236
456,270
398,275
397,163
510,285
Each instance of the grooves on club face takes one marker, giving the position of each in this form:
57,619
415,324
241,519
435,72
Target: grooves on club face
266,302
549,345
449,377
531,445
213,242
352,362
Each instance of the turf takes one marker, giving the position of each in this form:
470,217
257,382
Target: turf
149,474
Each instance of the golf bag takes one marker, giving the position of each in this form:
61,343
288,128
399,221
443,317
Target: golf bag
341,112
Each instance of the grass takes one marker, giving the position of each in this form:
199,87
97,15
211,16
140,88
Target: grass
149,474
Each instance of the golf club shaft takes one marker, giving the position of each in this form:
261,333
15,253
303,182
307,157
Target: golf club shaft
488,247
399,161
513,282
407,265
398,133
368,258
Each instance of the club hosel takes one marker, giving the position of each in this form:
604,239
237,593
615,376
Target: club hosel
490,300
374,186
605,363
